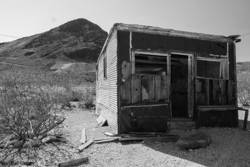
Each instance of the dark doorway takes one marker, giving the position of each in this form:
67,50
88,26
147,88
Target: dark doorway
179,85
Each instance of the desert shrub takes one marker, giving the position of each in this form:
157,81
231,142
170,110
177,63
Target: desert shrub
244,89
89,97
27,115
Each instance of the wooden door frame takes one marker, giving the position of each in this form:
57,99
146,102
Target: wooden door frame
190,97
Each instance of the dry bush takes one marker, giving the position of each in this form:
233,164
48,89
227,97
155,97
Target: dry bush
88,98
27,115
244,89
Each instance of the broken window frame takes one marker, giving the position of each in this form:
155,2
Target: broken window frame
220,60
153,53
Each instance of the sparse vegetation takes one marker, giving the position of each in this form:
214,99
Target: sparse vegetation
31,105
244,89
28,115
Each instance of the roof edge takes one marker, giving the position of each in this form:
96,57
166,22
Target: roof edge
162,31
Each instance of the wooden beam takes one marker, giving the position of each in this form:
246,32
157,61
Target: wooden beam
170,32
83,136
245,120
216,107
149,62
75,162
207,91
85,145
146,105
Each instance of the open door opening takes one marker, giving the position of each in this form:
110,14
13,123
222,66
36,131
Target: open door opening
179,85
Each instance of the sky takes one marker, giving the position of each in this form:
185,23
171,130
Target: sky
20,18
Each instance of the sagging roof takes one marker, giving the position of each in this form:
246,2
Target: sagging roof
163,31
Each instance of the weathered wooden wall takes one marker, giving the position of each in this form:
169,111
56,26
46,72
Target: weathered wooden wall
167,43
106,89
144,118
163,43
219,92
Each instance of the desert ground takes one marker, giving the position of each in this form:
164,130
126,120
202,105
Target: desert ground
229,147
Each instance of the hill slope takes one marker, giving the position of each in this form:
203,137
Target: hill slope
76,41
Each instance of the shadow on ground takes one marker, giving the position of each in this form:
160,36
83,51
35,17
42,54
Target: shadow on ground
229,147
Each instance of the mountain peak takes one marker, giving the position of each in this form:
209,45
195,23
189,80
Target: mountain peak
78,40
80,25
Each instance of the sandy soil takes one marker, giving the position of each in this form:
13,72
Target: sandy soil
230,147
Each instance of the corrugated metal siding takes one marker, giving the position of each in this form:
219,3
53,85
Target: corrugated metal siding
106,89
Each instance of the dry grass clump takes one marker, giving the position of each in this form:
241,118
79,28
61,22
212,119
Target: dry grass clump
27,115
30,108
244,89
60,86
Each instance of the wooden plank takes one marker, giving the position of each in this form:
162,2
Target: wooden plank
101,141
167,138
171,32
223,85
158,90
85,145
164,88
133,62
126,92
75,162
130,45
110,134
217,108
150,62
190,86
230,92
151,89
147,105
83,136
245,120
136,89
207,86
147,84
214,95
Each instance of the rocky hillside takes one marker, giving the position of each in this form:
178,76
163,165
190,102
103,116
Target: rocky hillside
75,41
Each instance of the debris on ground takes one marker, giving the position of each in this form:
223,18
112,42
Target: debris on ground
101,141
101,121
55,138
194,141
85,145
165,138
110,134
74,104
83,136
75,162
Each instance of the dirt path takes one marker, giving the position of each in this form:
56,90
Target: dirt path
230,147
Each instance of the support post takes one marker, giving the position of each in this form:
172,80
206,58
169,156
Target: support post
245,119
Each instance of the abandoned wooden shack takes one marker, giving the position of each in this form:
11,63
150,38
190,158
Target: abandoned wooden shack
150,77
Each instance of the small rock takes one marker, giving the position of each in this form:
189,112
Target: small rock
194,141
74,104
